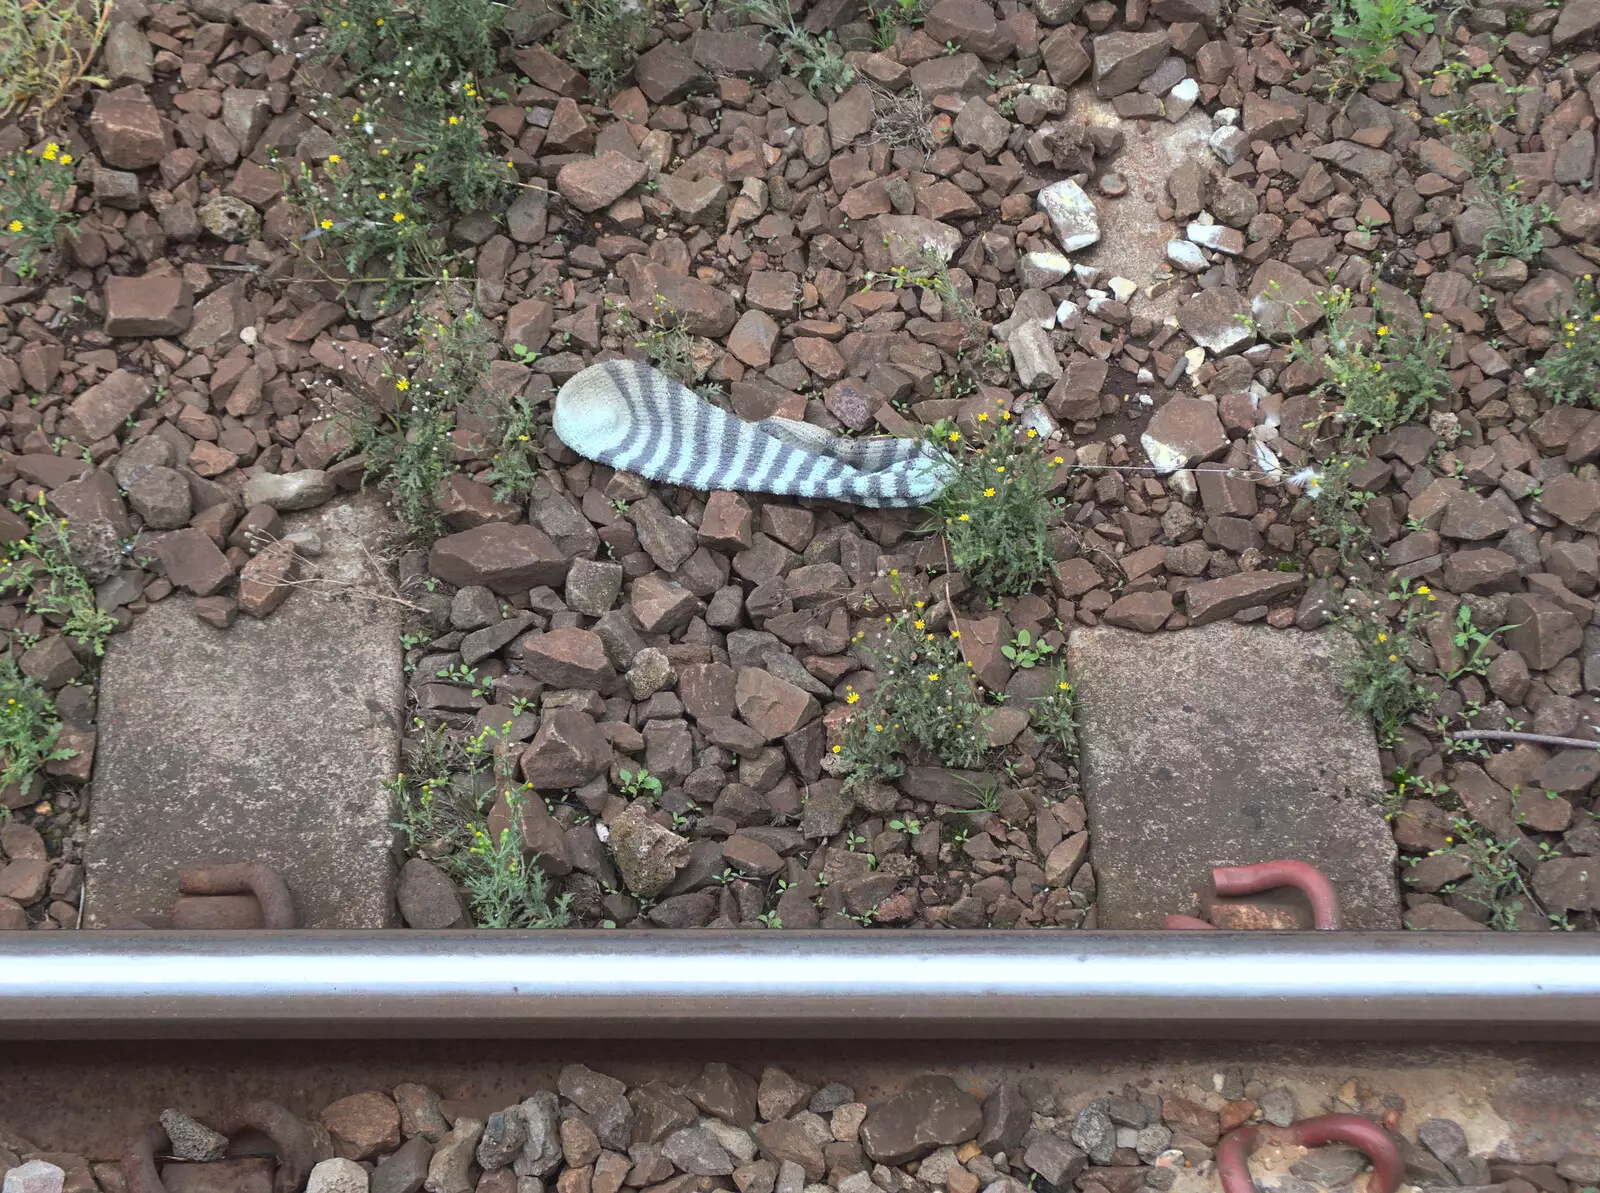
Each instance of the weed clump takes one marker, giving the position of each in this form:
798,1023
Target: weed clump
407,440
42,567
442,810
1378,680
602,38
1570,370
1054,716
33,205
993,513
1382,376
424,46
1368,31
46,47
29,728
816,61
925,700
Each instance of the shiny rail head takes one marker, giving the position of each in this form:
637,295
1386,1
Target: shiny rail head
981,985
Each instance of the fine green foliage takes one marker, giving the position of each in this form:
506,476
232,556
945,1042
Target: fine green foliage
1334,508
511,472
1381,376
890,16
423,46
46,47
925,699
407,442
1371,29
1054,715
505,888
1570,370
441,811
33,204
41,566
602,38
930,274
1497,882
993,514
29,727
1378,680
374,202
1515,230
815,61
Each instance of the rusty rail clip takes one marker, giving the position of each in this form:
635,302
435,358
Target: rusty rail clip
1233,1153
297,1150
1265,876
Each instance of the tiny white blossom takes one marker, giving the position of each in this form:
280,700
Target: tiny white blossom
1310,478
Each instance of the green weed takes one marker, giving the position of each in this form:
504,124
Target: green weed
46,48
602,38
1054,715
33,204
931,274
1515,230
1500,885
29,728
639,784
512,471
816,61
1570,370
1378,682
504,888
890,16
925,699
1025,651
41,567
1380,377
424,47
1371,29
407,444
993,513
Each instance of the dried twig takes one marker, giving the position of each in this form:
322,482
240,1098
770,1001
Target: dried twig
1543,739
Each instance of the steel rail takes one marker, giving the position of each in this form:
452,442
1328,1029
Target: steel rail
263,984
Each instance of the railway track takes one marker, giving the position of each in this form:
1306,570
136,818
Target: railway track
1198,1033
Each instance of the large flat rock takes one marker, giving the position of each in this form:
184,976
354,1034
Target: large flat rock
1225,745
268,741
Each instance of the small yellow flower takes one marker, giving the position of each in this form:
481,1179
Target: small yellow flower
1059,460
334,159
1383,637
1063,686
1568,327
50,152
326,224
1032,434
1427,314
380,20
455,120
852,697
955,633
66,159
877,729
918,623
988,492
955,436
1383,331
1394,658
965,518
836,749
983,418
383,194
399,217
1000,468
1006,416
14,226
933,677
402,385
921,604
1423,590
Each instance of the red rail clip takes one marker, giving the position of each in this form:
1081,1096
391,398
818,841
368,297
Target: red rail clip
1379,1147
1265,876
